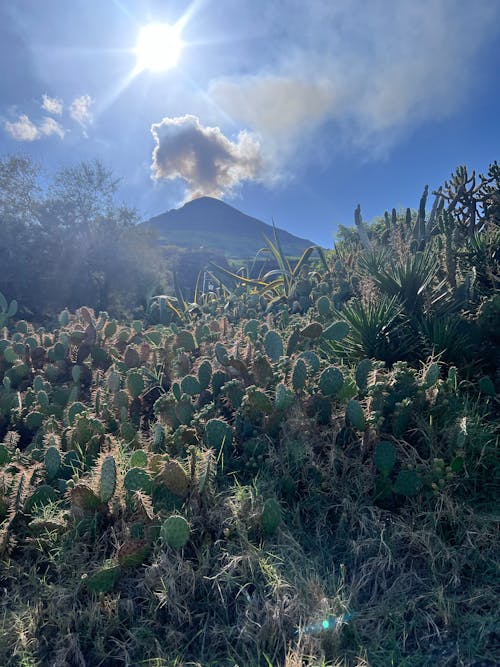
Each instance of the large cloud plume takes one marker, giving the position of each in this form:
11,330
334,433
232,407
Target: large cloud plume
203,157
376,70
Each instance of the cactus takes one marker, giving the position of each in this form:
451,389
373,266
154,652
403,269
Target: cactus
384,457
52,461
184,409
175,478
132,358
262,372
110,329
175,532
284,397
235,392
139,459
251,329
324,306
205,374
271,516
486,386
330,381
104,579
135,384
258,399
312,330
74,410
114,380
312,359
218,434
107,481
354,415
185,339
362,372
83,497
33,420
336,331
273,345
401,417
431,376
133,552
407,483
221,354
138,479
299,375
219,379
190,385
42,495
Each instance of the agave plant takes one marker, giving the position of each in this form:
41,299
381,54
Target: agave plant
280,282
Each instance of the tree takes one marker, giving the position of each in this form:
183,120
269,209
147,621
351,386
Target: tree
71,244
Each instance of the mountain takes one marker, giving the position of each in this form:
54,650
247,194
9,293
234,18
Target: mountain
210,223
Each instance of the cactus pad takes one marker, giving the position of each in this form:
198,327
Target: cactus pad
175,532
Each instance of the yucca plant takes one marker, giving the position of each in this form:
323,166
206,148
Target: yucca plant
378,330
447,336
408,281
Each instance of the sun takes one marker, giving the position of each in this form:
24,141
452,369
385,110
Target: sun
158,47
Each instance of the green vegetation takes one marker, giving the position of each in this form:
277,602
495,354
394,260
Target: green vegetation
301,469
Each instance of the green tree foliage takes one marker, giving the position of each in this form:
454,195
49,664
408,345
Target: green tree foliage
70,244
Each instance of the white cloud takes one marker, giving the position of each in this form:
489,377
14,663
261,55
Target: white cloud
203,157
53,105
22,129
80,109
50,126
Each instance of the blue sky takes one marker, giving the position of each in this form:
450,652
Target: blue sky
292,111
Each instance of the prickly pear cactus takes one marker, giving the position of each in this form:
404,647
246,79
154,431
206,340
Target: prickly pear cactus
362,372
299,375
284,397
273,345
52,462
175,532
185,339
138,479
175,478
330,381
354,415
107,481
407,483
336,331
218,433
190,385
384,457
135,384
104,579
204,374
271,516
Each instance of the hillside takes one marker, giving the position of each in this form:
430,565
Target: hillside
211,223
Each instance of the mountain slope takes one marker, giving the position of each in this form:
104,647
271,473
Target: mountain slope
211,223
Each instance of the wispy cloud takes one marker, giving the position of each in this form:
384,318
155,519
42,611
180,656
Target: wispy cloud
80,110
375,70
22,129
203,157
53,105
